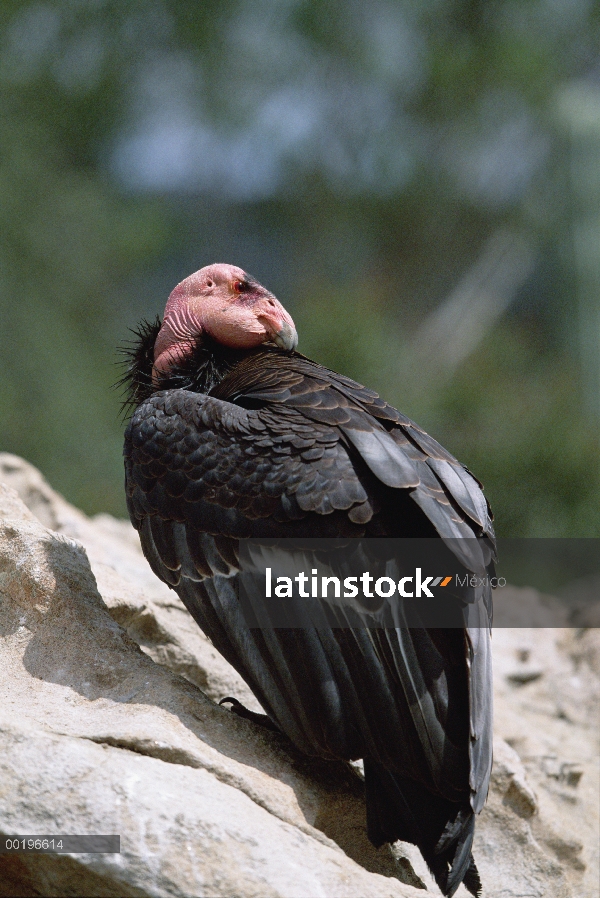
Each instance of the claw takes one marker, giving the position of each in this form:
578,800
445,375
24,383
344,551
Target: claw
261,719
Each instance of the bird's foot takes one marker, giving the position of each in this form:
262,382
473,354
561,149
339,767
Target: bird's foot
261,719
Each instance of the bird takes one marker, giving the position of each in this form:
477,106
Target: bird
234,435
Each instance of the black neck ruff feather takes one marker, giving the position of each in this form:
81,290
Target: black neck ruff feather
204,367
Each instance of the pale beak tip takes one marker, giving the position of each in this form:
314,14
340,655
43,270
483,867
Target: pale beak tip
286,338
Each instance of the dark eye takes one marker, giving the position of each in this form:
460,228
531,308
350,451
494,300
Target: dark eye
210,284
240,286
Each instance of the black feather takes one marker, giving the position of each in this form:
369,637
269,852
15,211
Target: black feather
136,380
263,443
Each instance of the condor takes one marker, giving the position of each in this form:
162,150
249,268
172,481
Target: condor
236,435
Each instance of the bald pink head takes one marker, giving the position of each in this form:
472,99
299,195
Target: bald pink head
228,305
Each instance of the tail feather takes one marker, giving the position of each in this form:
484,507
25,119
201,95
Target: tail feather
454,847
398,808
471,879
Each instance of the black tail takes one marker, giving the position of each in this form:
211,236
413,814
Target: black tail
398,808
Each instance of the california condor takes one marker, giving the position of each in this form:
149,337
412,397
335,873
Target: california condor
236,435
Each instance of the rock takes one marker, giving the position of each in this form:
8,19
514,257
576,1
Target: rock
525,675
586,652
509,781
551,723
150,611
98,737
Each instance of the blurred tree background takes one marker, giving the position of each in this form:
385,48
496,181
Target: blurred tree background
418,181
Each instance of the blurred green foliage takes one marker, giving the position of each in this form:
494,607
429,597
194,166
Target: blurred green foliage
355,158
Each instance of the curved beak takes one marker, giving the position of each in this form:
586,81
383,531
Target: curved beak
277,322
287,337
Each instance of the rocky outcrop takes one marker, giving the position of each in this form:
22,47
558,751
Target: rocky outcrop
108,724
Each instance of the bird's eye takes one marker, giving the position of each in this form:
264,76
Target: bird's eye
240,286
210,284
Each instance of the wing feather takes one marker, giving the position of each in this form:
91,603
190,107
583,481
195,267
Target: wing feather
384,457
316,454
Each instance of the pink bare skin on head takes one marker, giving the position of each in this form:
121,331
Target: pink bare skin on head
228,305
